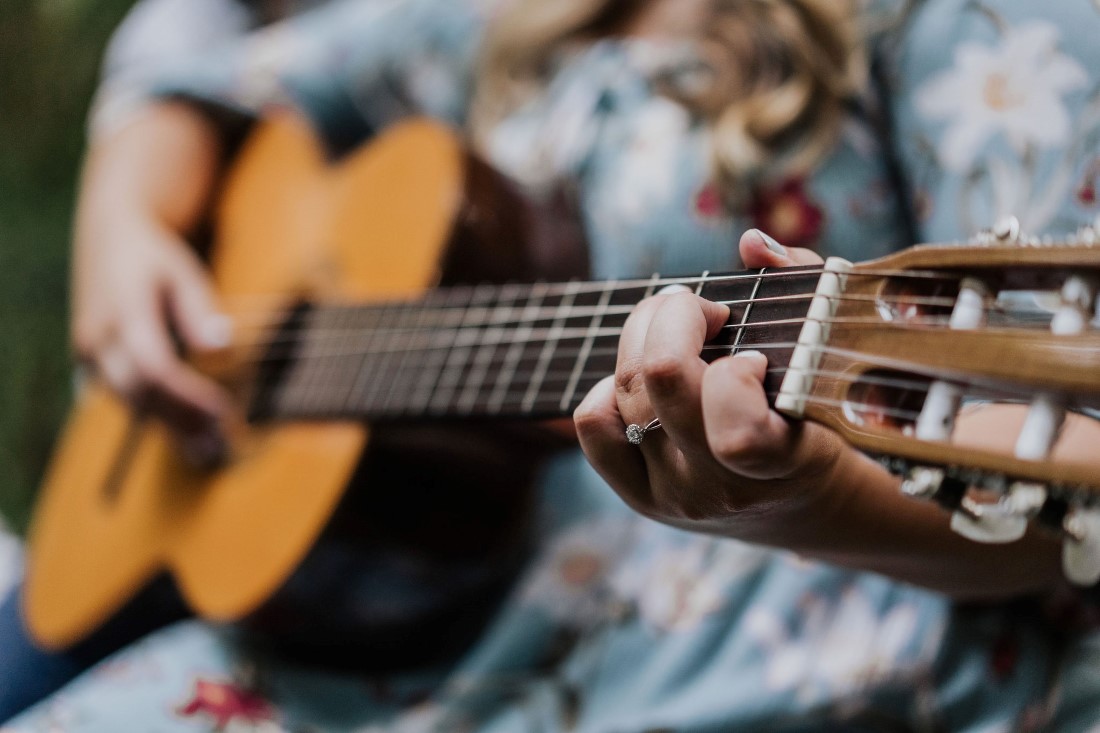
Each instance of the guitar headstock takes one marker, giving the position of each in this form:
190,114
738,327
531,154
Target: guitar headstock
903,354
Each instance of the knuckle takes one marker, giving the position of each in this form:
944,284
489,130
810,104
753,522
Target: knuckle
588,420
628,376
154,367
736,445
662,373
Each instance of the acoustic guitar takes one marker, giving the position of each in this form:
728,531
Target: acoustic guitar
380,290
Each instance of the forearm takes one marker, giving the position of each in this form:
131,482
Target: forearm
862,520
163,165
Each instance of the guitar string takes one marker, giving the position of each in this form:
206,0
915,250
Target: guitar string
997,391
448,317
272,319
399,340
597,286
909,386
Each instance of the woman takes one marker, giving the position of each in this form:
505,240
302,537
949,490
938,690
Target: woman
675,125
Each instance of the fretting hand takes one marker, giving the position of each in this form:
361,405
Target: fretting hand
722,456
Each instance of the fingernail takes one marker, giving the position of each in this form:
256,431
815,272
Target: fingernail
674,288
751,353
773,245
217,332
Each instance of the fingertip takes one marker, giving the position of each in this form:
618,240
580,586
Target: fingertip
674,288
215,331
760,250
752,355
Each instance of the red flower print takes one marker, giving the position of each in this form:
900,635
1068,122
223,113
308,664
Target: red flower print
1086,194
708,202
1086,189
225,703
1004,656
788,214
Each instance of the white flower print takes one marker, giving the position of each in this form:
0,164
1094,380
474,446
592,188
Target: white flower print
841,648
268,53
11,561
685,579
1016,88
646,171
569,581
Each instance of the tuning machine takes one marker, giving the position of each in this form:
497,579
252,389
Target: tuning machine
999,521
1081,548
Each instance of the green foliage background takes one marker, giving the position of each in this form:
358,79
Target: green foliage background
49,60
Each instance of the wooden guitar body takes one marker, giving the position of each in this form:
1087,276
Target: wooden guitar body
119,505
886,353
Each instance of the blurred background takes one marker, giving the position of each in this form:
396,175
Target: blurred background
49,60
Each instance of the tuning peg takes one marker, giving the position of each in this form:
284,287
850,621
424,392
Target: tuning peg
1081,549
988,523
1007,229
1002,521
928,482
941,404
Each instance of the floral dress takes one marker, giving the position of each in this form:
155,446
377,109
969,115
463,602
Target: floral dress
620,625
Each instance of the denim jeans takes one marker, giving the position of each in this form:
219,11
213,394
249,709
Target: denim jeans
29,674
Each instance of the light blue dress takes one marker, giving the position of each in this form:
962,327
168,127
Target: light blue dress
620,625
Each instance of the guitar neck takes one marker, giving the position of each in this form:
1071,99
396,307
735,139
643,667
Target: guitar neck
508,351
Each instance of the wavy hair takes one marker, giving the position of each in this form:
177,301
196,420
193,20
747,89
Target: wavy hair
772,81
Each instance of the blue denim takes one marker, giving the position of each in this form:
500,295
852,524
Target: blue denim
28,673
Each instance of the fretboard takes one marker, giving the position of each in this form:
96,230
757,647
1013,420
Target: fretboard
507,351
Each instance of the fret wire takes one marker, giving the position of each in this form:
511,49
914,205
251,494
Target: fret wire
582,358
399,390
313,392
457,359
548,348
343,367
702,281
366,371
492,337
748,309
516,349
432,371
380,376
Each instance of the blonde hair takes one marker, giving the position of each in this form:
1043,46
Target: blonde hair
773,81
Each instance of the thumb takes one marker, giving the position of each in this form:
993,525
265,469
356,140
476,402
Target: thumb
760,250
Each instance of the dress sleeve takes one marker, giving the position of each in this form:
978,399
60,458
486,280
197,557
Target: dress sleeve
153,36
996,112
351,66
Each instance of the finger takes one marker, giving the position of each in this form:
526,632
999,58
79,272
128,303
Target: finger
115,368
600,430
162,374
199,438
193,310
760,250
633,403
672,368
743,432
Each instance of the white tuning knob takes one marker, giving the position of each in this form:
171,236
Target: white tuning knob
1081,550
988,523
